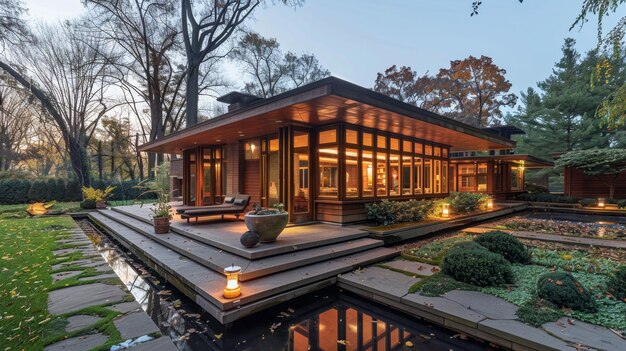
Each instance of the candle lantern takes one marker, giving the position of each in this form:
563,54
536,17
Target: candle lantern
232,288
490,204
445,210
601,202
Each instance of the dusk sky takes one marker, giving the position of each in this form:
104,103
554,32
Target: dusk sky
355,39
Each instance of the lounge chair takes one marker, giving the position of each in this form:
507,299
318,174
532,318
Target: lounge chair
238,207
228,202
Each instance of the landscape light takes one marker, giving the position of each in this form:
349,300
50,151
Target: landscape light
601,202
445,210
232,288
490,204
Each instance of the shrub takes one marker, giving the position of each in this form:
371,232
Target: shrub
388,212
37,191
20,187
466,246
621,203
617,283
536,188
562,289
506,245
88,204
589,202
73,191
60,188
478,267
55,191
537,312
544,197
467,202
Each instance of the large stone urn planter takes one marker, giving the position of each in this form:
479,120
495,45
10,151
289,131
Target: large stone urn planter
268,226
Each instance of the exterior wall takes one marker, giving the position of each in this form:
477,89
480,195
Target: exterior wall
176,179
578,184
252,180
233,169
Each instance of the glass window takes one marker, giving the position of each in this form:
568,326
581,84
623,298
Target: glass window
352,173
419,148
273,186
444,152
207,182
437,176
467,177
394,144
381,174
367,169
352,136
517,176
367,139
407,176
301,172
252,150
437,151
444,176
417,175
300,139
381,142
394,175
428,150
328,136
481,178
192,177
428,176
407,146
329,172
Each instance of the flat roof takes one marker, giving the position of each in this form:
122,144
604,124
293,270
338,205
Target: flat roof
328,101
528,161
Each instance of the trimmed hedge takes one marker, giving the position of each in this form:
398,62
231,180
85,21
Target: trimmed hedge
506,245
477,267
21,191
617,283
543,197
562,289
467,202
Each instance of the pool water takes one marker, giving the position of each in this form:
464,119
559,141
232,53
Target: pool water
326,320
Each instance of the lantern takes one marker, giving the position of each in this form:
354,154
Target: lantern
232,288
445,210
490,204
601,202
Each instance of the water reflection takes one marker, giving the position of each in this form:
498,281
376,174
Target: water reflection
326,320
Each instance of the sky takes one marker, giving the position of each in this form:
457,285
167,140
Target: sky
355,39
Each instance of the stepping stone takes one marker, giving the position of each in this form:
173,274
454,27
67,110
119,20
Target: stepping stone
70,263
444,308
125,307
161,344
417,268
381,281
79,241
523,334
79,343
98,277
78,297
134,325
80,321
488,305
586,334
64,275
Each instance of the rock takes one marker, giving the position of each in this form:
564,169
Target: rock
249,239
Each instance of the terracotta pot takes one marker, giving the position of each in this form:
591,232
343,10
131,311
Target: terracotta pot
268,226
161,225
101,205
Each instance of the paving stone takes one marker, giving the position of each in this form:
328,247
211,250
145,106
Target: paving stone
488,305
125,307
77,241
381,281
98,277
64,275
417,268
79,343
80,321
445,308
70,263
523,334
78,297
134,325
586,334
161,344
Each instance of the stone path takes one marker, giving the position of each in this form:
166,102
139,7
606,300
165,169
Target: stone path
483,316
617,244
136,328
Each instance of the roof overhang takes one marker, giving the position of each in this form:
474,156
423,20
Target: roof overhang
327,101
527,161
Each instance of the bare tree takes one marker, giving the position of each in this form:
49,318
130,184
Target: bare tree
15,122
12,28
65,71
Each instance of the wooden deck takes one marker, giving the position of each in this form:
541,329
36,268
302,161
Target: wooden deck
193,257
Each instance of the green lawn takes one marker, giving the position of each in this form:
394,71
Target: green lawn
18,211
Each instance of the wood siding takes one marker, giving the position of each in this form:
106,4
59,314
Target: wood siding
252,181
578,184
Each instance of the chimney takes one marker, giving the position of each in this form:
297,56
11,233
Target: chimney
237,100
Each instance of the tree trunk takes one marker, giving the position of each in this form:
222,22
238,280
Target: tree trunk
191,94
139,157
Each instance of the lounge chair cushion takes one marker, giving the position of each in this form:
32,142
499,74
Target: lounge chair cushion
229,199
240,202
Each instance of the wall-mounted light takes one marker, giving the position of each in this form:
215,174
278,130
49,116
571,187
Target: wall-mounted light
445,210
232,288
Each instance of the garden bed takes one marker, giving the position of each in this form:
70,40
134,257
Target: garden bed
591,267
566,228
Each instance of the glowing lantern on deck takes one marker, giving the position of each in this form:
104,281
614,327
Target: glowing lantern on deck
490,204
232,288
445,210
601,202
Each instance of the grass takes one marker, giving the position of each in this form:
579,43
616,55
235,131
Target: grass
18,211
434,251
26,247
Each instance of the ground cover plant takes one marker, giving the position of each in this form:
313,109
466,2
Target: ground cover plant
598,271
26,246
579,229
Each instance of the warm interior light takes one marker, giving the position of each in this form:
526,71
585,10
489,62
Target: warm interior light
232,288
490,204
601,202
445,210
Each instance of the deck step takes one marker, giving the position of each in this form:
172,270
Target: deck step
225,234
217,259
204,285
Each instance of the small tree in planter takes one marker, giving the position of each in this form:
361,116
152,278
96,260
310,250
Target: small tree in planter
606,164
99,196
267,222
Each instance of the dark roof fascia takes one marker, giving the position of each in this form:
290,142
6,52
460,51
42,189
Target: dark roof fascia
506,157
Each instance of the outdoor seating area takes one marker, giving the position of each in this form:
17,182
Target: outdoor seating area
232,205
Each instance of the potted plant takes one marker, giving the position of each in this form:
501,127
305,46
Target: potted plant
161,214
267,222
99,196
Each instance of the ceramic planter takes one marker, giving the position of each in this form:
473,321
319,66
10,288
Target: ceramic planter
161,225
267,226
101,205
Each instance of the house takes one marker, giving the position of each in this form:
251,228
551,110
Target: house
578,184
328,148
